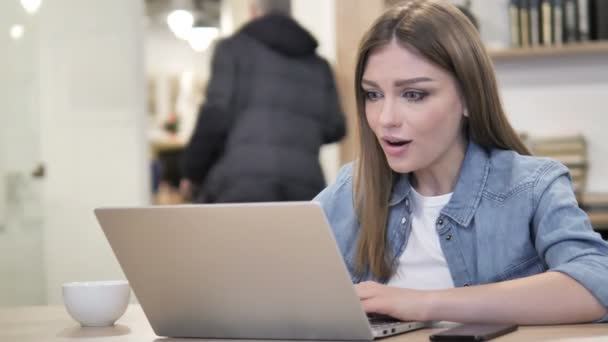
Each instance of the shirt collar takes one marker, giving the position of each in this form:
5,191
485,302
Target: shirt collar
401,190
469,188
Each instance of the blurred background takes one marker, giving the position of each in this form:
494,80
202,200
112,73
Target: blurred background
99,99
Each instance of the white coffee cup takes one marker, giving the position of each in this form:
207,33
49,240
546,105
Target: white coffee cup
96,303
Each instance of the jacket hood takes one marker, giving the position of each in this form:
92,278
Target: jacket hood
282,34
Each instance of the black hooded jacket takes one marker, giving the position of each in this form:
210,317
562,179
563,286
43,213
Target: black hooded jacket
271,103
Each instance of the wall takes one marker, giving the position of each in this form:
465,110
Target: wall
233,14
166,54
561,95
166,58
319,18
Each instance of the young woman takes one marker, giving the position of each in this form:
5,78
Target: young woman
445,215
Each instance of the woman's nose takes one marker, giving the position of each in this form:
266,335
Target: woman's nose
388,115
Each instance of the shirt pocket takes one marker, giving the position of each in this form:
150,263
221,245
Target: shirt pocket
531,266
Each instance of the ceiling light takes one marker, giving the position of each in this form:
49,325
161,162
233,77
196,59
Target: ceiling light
180,22
201,37
31,6
17,31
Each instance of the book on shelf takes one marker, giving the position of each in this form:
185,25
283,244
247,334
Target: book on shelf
598,13
571,160
547,22
570,21
569,150
595,204
553,140
578,173
514,18
595,200
556,22
579,178
583,20
578,187
535,22
559,146
599,219
524,22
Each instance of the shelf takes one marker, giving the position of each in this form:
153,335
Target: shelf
572,49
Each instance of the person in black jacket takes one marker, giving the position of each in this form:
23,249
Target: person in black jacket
271,103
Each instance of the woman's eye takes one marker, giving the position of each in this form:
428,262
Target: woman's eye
414,96
372,95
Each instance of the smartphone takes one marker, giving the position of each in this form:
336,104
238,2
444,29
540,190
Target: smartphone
474,332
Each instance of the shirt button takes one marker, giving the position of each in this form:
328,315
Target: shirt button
440,221
403,220
449,237
407,202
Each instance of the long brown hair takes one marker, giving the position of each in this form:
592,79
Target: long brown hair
443,35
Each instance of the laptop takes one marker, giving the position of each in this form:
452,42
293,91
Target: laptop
240,271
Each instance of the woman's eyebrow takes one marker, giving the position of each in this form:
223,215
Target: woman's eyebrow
400,83
409,81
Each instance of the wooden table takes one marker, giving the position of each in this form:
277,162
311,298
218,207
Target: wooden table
52,323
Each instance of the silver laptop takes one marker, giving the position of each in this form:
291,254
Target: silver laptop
240,271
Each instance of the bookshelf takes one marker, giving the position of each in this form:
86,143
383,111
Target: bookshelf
570,49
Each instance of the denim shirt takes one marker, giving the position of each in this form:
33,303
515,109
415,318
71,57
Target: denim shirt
510,216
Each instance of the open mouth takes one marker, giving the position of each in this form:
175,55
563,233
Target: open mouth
396,142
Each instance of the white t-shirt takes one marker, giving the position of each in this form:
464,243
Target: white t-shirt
422,265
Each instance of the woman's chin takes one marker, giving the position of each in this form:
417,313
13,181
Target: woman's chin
401,166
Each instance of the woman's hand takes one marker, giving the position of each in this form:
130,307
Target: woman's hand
546,298
402,304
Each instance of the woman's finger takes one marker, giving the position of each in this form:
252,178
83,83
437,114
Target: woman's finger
375,305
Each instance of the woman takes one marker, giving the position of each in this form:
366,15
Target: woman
444,215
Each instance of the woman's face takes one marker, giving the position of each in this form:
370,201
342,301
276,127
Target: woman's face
413,107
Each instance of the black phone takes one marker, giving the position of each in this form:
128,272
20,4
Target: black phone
473,332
